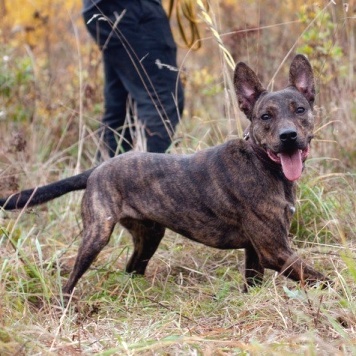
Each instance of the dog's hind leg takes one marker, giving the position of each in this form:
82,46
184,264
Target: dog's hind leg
146,237
253,269
96,236
98,224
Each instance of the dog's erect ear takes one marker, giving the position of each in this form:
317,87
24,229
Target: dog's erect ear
301,77
247,87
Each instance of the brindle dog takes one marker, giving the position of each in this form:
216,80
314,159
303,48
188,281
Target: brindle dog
238,195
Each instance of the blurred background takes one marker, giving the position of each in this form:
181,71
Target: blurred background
51,79
51,103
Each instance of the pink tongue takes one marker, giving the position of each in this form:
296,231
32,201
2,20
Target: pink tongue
292,165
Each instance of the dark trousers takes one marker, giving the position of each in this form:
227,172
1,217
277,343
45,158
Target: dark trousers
139,56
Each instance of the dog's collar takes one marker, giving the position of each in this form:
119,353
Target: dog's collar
246,134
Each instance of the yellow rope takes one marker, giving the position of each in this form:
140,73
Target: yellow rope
185,11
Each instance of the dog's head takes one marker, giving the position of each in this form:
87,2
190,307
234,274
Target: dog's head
282,122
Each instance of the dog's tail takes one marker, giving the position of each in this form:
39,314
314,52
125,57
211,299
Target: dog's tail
40,195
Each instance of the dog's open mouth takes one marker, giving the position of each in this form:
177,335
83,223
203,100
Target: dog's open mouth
291,162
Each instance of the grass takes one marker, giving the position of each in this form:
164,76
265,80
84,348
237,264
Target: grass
191,301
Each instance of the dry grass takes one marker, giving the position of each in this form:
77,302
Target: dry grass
190,302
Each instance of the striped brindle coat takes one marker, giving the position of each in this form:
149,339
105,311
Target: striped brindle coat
238,195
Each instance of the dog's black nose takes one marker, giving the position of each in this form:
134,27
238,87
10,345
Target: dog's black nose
288,135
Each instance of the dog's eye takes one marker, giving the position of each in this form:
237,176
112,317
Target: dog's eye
300,110
265,117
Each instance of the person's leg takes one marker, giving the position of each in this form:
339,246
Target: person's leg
160,111
142,53
114,130
160,108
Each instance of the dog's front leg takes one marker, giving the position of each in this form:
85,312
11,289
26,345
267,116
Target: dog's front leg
269,237
296,269
283,260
